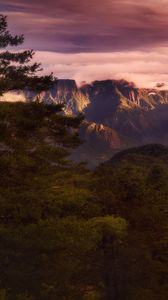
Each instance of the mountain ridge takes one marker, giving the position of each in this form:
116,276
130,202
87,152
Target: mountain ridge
118,115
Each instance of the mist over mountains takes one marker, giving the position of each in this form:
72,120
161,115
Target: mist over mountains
118,115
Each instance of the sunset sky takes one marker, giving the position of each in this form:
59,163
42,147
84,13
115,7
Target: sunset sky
93,39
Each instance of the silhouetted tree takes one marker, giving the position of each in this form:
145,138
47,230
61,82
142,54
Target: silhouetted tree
16,72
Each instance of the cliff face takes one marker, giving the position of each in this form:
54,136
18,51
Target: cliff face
122,116
117,114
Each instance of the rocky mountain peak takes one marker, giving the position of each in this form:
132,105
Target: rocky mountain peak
118,115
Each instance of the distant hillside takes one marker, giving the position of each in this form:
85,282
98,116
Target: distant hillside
146,153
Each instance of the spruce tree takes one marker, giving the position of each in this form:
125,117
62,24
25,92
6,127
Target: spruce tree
16,69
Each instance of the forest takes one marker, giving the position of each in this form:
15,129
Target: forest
67,232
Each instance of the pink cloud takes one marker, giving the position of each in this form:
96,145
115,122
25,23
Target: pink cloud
114,39
145,68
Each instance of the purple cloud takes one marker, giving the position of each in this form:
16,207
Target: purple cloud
73,26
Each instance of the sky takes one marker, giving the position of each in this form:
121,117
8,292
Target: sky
93,39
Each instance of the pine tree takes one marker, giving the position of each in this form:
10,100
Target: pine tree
16,70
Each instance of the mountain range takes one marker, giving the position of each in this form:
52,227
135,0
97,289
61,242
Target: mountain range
118,115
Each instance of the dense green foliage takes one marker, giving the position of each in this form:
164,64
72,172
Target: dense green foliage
69,233
34,145
134,185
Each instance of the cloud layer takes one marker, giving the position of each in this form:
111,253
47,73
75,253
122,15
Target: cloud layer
146,69
95,39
